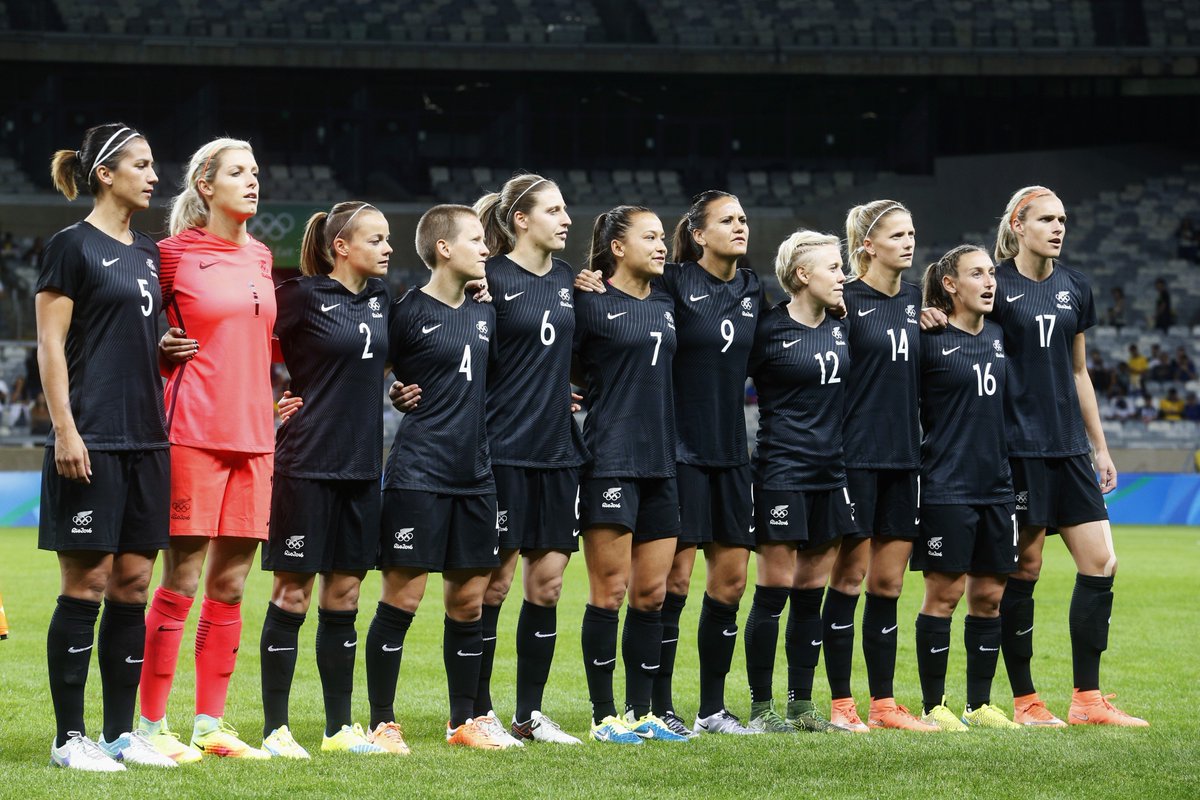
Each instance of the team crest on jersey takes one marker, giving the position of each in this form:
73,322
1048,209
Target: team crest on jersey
263,269
1063,300
935,546
999,348
150,266
911,311
612,497
837,336
502,520
1022,501
404,538
779,515
564,297
747,307
670,320
481,326
82,522
376,309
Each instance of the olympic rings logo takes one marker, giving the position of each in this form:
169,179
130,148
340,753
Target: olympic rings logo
404,535
612,495
779,512
271,226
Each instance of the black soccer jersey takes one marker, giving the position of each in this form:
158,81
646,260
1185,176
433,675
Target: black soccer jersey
626,346
800,374
112,342
441,446
964,458
335,345
882,429
529,418
1040,321
716,322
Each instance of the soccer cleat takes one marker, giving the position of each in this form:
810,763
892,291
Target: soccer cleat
765,719
80,752
281,744
844,715
676,725
886,713
166,741
944,718
135,748
541,728
722,722
498,731
216,737
350,739
805,717
390,737
474,733
650,726
1029,709
613,730
988,716
1093,708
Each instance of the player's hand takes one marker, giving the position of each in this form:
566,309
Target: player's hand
576,402
288,405
71,457
404,397
839,311
1107,470
480,288
590,281
176,348
933,319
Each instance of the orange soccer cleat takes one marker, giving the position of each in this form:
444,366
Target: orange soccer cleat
844,715
1093,708
886,713
1030,710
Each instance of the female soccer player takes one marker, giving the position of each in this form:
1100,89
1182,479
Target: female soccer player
717,307
799,363
881,462
535,443
106,471
216,284
968,530
629,503
439,500
1052,419
332,328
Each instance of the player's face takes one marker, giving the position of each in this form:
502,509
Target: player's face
234,189
642,252
132,182
547,222
1044,226
891,242
468,252
726,233
974,287
368,249
826,274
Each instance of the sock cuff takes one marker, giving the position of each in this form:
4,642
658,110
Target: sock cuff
1097,582
78,608
285,619
772,598
674,602
329,616
464,628
490,611
172,604
599,614
718,609
119,610
545,612
220,613
633,615
982,624
879,601
1019,587
840,598
806,600
394,615
931,624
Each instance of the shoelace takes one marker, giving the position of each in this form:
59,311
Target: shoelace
140,740
546,722
225,727
1106,697
491,726
727,714
86,745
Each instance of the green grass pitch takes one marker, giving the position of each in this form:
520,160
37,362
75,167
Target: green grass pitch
1152,661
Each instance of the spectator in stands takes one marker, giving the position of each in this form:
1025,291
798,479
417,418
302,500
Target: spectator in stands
1191,407
1160,364
1164,317
1170,407
1116,312
1188,240
1120,407
1183,369
1122,380
1138,364
1147,410
8,246
1101,376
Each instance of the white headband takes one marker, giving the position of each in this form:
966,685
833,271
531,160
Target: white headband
871,227
513,208
105,152
351,217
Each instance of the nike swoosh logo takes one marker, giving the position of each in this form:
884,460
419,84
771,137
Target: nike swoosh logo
508,296
1027,630
816,642
273,649
550,635
387,649
696,298
1076,715
604,663
489,638
430,329
619,314
939,649
777,616
946,352
1014,297
786,345
983,649
837,627
647,666
108,262
469,655
886,631
168,628
729,633
350,644
132,660
669,641
326,309
863,313
206,266
79,649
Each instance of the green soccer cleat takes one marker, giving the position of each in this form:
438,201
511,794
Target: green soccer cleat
765,719
804,717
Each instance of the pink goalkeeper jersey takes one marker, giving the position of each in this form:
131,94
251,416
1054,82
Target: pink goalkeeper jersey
222,295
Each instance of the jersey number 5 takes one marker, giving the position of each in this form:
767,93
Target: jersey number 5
146,309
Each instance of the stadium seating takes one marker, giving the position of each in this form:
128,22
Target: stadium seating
580,187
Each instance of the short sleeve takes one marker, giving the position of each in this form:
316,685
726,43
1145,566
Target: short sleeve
290,298
63,268
398,328
1087,306
762,334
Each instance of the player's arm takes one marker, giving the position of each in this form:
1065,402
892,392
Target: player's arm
1091,415
54,313
589,281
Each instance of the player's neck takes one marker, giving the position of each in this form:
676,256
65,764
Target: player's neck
634,285
1033,266
227,228
969,321
883,280
806,309
112,220
353,281
718,267
531,258
446,287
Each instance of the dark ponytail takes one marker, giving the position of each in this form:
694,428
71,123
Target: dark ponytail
70,169
935,293
610,226
322,230
683,244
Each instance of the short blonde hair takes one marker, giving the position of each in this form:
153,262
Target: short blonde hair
796,251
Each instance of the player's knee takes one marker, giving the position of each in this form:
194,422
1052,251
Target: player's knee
888,587
986,607
464,609
679,585
225,588
546,593
649,598
848,582
1029,567
291,598
728,590
497,592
